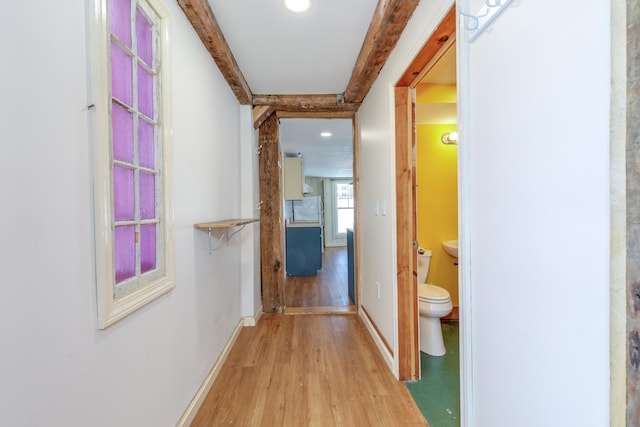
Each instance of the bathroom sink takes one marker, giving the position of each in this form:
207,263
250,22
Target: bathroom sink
451,247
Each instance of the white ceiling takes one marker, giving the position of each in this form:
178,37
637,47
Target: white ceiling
314,52
327,157
443,72
282,52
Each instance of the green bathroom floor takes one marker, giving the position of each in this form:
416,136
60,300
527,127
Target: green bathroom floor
437,394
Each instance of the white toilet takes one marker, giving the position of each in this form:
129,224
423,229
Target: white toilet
434,302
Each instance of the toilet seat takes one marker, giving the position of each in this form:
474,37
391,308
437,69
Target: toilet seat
432,293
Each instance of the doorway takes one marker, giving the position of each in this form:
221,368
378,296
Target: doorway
325,149
406,227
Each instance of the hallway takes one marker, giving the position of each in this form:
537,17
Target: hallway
307,370
327,289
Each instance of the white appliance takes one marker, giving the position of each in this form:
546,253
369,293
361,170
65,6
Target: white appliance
309,209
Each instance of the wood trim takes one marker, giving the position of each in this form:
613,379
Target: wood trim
206,26
387,25
316,114
271,225
318,103
292,311
445,30
408,338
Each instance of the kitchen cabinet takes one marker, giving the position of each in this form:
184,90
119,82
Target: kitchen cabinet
351,276
293,178
303,249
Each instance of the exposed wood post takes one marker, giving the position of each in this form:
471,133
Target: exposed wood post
408,339
633,215
204,22
271,226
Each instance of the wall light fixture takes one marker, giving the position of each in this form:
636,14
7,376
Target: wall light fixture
450,138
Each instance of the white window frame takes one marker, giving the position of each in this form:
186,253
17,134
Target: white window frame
112,308
336,234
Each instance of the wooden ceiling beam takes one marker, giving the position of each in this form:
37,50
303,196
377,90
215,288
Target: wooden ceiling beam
316,115
305,103
204,22
389,20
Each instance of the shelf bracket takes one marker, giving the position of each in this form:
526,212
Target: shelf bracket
225,225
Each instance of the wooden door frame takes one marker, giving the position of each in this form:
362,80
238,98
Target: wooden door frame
405,140
272,260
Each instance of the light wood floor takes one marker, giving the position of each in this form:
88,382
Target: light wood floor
317,370
327,289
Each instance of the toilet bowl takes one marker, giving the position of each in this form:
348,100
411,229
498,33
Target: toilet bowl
434,302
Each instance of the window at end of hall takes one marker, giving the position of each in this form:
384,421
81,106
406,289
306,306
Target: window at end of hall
344,206
131,155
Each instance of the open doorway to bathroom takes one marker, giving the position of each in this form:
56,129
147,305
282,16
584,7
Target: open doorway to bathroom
437,393
427,210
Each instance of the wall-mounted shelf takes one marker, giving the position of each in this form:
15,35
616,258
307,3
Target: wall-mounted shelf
224,226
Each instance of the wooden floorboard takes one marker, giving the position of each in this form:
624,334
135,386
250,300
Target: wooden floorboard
327,289
315,370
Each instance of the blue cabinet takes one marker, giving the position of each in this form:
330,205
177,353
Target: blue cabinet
304,250
350,267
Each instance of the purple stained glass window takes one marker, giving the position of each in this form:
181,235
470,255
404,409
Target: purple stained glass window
144,34
122,131
123,191
121,75
147,195
147,247
134,139
120,19
145,92
124,243
146,144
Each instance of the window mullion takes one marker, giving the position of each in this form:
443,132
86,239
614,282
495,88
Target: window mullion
136,118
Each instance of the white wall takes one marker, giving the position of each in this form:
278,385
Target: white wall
377,176
57,368
536,149
535,174
251,298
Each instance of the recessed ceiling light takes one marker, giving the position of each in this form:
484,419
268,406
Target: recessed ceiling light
297,5
326,134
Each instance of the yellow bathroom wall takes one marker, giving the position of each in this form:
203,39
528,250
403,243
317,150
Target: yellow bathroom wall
436,93
437,203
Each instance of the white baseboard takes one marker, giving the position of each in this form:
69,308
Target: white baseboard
377,339
191,411
252,320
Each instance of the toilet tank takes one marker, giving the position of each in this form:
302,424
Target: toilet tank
424,257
